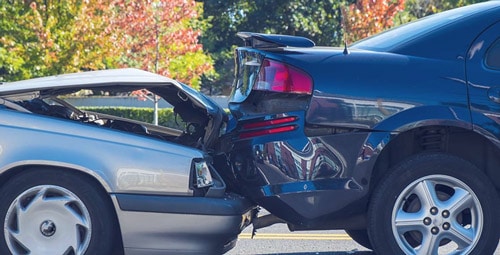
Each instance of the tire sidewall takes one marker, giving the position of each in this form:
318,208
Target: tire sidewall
99,211
385,196
360,236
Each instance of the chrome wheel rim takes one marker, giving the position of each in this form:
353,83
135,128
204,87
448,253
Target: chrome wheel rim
47,219
437,214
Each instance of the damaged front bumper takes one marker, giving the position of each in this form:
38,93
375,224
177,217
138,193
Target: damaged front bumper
181,225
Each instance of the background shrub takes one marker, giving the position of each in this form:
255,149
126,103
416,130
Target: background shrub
165,116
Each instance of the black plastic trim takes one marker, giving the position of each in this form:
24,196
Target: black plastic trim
229,205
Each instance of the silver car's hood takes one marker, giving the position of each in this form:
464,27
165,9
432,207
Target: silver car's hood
87,79
58,84
185,100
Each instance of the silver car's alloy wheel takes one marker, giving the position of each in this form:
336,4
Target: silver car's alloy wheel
437,214
47,219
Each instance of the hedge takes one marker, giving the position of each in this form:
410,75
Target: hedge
165,115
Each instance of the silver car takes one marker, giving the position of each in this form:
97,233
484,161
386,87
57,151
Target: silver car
78,182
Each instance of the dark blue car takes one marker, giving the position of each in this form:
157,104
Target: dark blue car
395,139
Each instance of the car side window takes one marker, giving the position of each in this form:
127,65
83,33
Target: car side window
493,56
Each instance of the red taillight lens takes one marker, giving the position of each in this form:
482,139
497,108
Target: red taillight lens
267,123
280,77
273,126
267,131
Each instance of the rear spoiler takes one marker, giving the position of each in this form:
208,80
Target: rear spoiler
266,41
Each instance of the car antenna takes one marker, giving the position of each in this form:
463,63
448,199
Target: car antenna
344,29
346,50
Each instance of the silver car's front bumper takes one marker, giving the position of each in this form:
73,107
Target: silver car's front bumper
180,225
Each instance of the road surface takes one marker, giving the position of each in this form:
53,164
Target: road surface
278,240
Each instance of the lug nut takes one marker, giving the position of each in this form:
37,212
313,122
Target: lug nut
446,214
427,221
434,211
435,230
446,226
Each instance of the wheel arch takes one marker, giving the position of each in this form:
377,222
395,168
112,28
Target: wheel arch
455,140
18,167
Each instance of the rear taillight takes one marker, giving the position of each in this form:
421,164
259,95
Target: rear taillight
268,127
280,77
267,123
269,131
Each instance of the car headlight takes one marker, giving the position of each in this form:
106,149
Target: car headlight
203,176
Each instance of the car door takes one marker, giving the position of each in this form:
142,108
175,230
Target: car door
483,79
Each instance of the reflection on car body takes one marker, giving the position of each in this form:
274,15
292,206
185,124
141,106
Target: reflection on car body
311,161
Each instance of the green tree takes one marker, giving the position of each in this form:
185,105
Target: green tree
316,19
39,38
12,52
29,44
94,44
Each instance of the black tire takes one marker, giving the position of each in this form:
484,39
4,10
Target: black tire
360,236
431,202
52,208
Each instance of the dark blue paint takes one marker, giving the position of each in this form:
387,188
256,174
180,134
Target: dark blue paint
425,74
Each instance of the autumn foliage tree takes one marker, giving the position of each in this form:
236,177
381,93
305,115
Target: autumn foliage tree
36,38
94,46
39,38
368,17
161,36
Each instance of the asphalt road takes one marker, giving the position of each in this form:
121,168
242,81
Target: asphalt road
278,240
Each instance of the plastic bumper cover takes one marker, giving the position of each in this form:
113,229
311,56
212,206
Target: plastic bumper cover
152,224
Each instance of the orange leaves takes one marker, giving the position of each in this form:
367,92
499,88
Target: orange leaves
158,36
51,37
368,17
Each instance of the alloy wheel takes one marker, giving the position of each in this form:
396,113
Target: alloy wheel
437,214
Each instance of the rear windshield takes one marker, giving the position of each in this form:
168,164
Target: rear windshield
405,33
